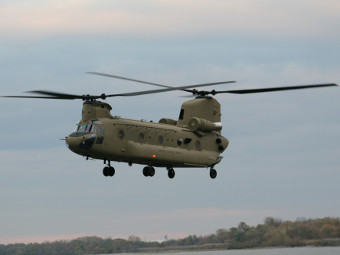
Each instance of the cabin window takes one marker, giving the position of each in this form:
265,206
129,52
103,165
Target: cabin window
181,114
198,145
160,139
121,134
179,141
141,137
187,140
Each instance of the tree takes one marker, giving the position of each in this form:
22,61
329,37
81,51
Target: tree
272,222
135,239
222,235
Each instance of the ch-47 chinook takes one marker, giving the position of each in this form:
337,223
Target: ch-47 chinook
194,140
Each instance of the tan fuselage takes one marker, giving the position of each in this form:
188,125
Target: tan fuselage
102,136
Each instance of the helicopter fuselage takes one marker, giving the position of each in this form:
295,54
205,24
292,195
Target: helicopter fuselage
192,141
146,143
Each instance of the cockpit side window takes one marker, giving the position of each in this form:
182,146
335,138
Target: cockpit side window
100,130
81,128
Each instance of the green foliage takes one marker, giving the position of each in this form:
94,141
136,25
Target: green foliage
274,232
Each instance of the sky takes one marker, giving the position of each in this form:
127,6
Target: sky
284,154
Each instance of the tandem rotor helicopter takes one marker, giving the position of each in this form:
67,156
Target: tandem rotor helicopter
194,140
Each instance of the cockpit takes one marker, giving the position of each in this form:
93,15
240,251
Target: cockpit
85,136
84,129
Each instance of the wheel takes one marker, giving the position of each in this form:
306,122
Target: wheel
171,173
213,173
111,171
146,171
106,171
151,171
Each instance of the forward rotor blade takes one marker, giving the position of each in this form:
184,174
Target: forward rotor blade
168,89
51,95
37,97
262,90
56,95
128,79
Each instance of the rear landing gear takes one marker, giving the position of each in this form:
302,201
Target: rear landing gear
213,173
171,172
149,171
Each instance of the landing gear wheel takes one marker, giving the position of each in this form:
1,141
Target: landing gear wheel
213,173
146,171
171,173
149,171
106,171
111,171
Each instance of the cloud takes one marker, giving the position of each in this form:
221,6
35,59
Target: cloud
172,18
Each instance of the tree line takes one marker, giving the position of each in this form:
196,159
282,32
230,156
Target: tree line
272,233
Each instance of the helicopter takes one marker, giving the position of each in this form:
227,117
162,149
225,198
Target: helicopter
194,140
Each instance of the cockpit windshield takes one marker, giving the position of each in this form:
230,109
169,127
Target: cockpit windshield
90,128
86,128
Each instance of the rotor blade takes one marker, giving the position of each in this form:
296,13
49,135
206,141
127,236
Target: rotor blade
52,95
128,79
262,90
38,97
168,89
56,95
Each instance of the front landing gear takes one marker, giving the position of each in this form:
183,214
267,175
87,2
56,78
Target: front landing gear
213,173
171,172
108,170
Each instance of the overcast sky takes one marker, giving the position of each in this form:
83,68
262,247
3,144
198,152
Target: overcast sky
284,154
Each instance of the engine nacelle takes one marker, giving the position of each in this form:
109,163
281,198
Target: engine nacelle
168,121
198,124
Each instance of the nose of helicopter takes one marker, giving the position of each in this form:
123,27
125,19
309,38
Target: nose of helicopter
73,142
79,143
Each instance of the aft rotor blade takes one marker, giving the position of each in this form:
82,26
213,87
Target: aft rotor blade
262,90
128,79
168,89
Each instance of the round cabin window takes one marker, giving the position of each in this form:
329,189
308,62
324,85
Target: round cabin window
198,145
141,137
121,134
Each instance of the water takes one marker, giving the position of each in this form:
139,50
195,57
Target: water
280,251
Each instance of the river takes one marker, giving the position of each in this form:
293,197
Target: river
279,251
